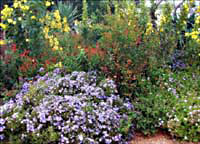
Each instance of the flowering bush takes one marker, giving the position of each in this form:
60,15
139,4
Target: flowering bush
184,118
152,101
66,108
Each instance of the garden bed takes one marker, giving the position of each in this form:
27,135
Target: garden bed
99,72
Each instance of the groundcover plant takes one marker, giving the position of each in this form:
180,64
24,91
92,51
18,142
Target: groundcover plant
59,107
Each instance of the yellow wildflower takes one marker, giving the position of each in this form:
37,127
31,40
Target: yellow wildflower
56,41
27,40
6,12
10,21
25,8
76,22
33,17
59,64
2,42
55,48
57,15
194,34
149,28
198,9
47,3
4,26
66,28
186,7
59,25
197,20
61,49
16,5
19,18
187,34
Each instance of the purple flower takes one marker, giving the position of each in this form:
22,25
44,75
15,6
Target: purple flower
75,106
2,128
2,136
2,121
41,69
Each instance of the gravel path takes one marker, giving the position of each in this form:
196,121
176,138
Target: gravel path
159,138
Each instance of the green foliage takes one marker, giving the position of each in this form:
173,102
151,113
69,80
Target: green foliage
68,10
183,120
85,12
26,33
152,101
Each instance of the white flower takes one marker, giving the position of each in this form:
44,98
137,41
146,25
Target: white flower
80,137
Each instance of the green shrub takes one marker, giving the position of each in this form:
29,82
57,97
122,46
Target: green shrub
62,107
152,101
184,118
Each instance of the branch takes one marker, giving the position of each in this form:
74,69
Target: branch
152,12
157,4
178,6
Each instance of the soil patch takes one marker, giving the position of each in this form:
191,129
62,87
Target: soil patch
159,138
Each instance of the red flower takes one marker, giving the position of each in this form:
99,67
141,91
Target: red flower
25,53
13,48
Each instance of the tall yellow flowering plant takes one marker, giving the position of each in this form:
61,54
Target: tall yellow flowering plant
31,25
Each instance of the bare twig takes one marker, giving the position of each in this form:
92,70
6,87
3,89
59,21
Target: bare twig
177,7
153,11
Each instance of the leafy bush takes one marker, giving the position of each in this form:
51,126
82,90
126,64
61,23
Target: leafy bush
31,31
184,118
66,108
152,101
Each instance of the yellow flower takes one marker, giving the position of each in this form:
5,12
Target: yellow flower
25,8
27,40
59,64
19,18
186,7
46,30
149,28
187,34
6,12
56,41
197,20
15,5
59,25
47,4
198,9
4,26
76,22
55,48
10,21
66,28
52,3
2,42
57,15
194,34
33,17
14,22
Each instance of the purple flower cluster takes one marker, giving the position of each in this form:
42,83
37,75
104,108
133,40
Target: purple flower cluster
74,106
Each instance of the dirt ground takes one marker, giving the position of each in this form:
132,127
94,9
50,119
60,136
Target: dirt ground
158,138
